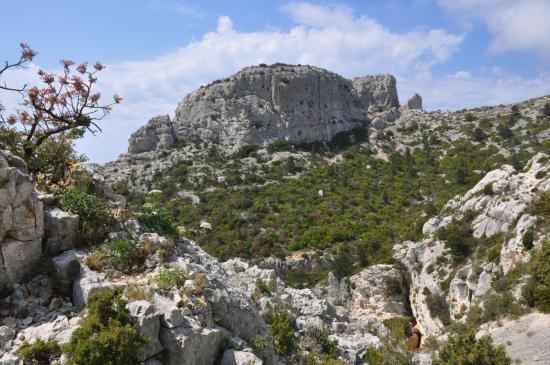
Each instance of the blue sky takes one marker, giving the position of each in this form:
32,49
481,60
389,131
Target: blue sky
455,53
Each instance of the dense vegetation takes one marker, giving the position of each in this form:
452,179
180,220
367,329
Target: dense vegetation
465,349
366,205
94,213
106,334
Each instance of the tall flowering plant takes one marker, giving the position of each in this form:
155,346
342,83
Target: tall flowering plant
64,105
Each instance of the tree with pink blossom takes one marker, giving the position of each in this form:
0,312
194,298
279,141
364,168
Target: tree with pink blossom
62,108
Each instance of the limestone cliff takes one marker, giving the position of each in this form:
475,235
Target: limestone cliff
260,104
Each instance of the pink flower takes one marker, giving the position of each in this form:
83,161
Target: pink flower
78,84
117,98
81,68
26,52
95,97
99,66
66,63
12,119
48,78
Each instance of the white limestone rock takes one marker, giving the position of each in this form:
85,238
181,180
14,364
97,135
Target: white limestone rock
61,230
232,357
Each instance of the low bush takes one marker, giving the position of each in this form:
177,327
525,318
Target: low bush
159,221
106,334
304,278
528,239
323,346
465,349
537,291
39,352
264,287
95,215
388,355
280,324
167,279
121,254
438,306
459,238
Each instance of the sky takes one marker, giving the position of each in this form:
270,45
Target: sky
455,53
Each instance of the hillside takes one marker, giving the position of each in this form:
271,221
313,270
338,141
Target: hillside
287,215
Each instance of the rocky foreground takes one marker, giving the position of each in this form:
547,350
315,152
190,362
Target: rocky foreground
216,313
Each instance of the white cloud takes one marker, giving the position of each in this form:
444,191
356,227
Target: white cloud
516,25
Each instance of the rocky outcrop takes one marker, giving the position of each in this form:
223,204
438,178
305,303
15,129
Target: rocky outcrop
62,230
380,291
21,221
376,90
498,202
414,103
157,134
261,104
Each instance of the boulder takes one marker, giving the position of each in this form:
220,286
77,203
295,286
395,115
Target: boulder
378,123
378,90
61,231
184,345
232,357
414,103
87,282
379,290
66,267
147,321
21,221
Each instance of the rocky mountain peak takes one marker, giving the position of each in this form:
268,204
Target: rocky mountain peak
261,104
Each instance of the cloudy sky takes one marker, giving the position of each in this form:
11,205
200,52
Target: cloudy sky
455,53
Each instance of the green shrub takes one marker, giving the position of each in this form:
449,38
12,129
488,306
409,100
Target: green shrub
459,238
95,215
479,135
465,349
342,264
264,287
541,206
540,286
280,324
39,352
438,306
122,253
323,344
159,221
105,335
304,278
388,355
528,239
167,279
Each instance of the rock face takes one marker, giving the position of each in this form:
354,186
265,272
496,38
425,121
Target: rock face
158,133
415,102
21,221
498,209
61,231
260,104
376,90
